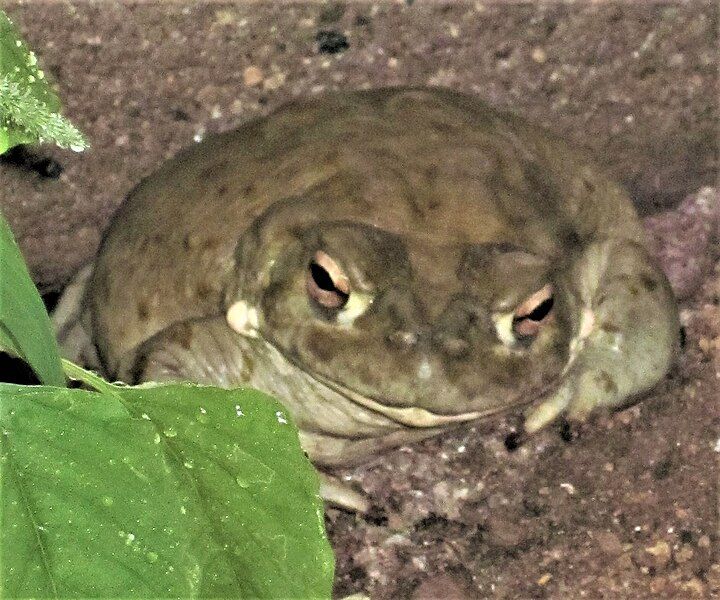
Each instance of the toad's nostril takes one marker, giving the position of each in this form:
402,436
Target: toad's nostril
456,347
403,339
452,346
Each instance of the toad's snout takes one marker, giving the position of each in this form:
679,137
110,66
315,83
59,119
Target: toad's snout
452,334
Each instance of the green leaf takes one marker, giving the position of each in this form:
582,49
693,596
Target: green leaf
157,491
29,108
25,329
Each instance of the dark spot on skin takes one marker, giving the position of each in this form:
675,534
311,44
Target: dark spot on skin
209,243
248,365
683,338
607,382
245,372
203,291
143,310
182,335
222,190
211,171
187,241
571,239
609,327
649,283
588,185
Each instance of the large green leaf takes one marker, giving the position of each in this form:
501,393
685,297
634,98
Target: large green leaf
25,329
157,491
29,108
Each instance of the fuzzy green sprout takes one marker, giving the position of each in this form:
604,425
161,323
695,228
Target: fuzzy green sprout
29,109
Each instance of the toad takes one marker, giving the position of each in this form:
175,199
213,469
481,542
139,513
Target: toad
387,263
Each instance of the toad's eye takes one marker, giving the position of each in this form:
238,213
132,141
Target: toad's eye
326,282
530,315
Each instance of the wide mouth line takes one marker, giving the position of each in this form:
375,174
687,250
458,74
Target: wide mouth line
407,415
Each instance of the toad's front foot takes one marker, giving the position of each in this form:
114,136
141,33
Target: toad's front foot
627,333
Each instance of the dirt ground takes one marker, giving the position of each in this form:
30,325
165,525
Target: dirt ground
624,507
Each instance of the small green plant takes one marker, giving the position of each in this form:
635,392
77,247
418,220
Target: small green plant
29,109
148,491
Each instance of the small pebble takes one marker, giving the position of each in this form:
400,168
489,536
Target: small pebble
539,55
252,76
274,82
684,554
544,579
660,552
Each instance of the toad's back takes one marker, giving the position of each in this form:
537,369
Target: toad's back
424,164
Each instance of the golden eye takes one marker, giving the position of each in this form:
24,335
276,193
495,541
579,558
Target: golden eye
530,315
326,282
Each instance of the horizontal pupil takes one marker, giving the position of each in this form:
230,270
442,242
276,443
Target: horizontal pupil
321,277
323,280
541,310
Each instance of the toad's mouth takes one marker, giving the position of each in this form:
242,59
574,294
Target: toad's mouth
411,416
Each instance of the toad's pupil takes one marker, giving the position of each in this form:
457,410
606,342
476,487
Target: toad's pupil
322,279
541,311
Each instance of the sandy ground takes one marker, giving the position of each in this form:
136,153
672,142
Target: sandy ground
625,507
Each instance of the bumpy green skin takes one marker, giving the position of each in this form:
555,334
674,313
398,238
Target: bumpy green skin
443,212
